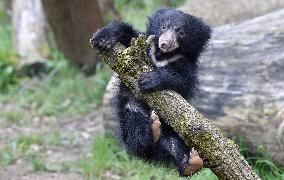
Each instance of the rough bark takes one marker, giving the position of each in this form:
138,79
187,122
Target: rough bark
221,154
72,23
219,12
29,32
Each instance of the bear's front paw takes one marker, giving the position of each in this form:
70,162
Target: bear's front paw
102,42
148,82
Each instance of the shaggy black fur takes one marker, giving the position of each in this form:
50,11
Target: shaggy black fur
178,73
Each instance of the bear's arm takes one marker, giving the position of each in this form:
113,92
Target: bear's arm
113,33
164,79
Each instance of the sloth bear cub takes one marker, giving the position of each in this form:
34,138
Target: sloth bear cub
179,40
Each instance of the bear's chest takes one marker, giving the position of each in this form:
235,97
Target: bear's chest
161,60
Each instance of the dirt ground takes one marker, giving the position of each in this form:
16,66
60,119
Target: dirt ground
67,141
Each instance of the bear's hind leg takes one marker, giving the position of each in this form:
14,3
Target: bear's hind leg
173,147
135,128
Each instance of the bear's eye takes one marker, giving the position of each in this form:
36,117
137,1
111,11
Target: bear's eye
181,33
164,27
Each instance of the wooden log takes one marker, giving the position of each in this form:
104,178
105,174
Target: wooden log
242,82
228,11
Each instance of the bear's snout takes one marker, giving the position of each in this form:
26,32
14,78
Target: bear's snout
168,41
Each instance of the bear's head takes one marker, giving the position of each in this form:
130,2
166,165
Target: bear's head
176,30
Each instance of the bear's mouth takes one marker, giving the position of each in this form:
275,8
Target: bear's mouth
168,49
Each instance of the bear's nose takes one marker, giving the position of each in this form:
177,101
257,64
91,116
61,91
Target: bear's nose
164,45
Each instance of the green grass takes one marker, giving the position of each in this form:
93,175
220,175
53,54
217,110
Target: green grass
136,12
64,91
262,163
37,163
15,116
8,58
17,148
6,47
108,159
31,149
53,138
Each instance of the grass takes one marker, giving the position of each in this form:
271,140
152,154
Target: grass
54,139
18,148
32,150
109,160
64,91
6,50
7,55
37,163
136,12
261,163
14,116
6,47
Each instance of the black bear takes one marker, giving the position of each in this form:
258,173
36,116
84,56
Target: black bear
179,40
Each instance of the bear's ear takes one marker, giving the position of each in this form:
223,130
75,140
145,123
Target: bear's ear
160,12
154,21
190,19
200,34
197,25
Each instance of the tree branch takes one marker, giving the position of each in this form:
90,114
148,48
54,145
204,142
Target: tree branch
220,154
